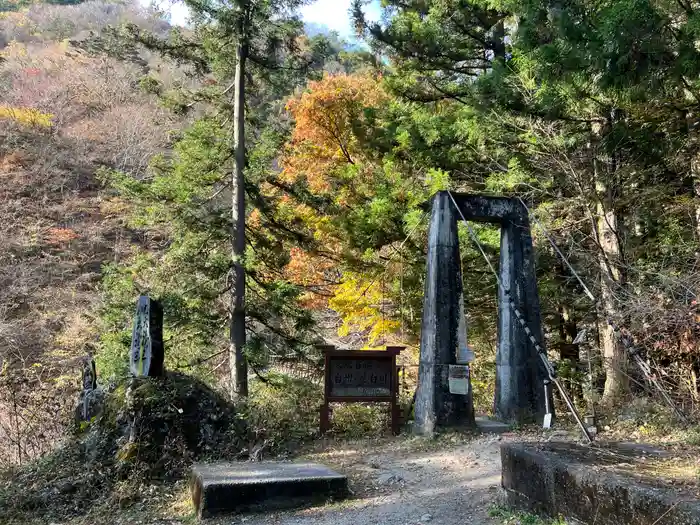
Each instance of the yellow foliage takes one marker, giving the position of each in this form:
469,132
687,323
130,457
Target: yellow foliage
14,50
315,273
358,302
27,116
333,120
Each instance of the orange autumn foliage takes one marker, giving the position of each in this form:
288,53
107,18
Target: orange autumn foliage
327,151
314,273
60,235
327,118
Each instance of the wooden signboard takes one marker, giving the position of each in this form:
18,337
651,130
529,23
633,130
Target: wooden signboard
361,376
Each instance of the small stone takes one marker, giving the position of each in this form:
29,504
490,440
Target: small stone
66,487
390,478
425,518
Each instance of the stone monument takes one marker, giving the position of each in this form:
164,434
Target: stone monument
146,354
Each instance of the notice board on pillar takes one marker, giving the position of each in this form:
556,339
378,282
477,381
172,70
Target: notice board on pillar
356,376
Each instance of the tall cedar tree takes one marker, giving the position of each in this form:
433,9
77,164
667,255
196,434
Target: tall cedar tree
233,47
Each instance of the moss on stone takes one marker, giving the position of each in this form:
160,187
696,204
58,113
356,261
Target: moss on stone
148,429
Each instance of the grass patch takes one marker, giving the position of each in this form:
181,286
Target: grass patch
507,516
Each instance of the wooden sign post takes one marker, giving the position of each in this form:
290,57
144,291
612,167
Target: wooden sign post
361,376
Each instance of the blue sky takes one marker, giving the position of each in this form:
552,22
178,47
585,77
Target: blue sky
330,13
334,14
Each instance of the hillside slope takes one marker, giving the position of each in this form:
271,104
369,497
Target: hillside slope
64,115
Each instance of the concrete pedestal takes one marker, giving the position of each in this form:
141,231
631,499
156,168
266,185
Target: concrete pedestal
220,488
614,485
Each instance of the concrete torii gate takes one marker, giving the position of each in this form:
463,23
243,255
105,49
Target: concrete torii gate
519,372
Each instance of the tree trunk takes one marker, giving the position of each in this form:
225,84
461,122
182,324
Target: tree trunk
609,257
496,38
567,349
237,358
694,166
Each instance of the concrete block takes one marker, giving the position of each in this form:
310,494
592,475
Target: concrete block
605,486
491,426
220,488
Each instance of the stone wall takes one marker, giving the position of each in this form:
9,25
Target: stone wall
605,486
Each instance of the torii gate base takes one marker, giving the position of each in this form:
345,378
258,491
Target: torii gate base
519,373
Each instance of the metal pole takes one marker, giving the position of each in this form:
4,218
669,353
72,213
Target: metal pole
547,407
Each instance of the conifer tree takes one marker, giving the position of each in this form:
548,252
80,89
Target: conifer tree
577,106
247,56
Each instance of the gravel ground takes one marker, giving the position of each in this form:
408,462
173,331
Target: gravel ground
395,484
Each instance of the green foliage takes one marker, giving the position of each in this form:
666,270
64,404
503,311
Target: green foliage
483,374
151,85
358,421
185,202
437,180
569,100
284,412
692,437
582,110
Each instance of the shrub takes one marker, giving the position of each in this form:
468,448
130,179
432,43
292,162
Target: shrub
284,412
359,420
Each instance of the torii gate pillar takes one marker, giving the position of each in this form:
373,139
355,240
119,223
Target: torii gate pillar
520,375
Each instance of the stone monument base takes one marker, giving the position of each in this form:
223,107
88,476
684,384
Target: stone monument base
220,488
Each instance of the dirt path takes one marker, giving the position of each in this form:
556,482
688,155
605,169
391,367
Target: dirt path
396,484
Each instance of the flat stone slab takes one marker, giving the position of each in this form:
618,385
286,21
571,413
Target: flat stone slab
491,426
606,484
219,488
